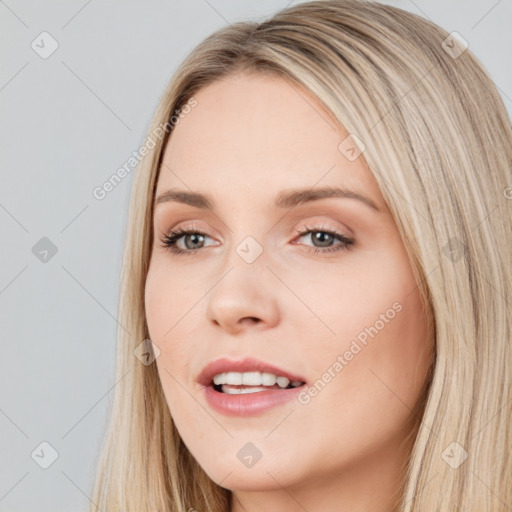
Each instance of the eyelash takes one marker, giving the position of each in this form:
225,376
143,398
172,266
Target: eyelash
170,239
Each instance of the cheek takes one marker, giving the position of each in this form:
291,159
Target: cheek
167,298
348,297
404,357
163,312
366,391
169,308
371,316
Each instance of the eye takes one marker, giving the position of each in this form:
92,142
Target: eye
322,236
170,240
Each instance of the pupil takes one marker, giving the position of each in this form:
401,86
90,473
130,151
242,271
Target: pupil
195,236
320,236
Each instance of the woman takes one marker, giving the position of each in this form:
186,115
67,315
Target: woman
317,276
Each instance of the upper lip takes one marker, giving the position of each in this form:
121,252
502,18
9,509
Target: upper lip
248,364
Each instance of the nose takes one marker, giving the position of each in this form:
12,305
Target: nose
242,299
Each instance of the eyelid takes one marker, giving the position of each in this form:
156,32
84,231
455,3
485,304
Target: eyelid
170,239
319,221
316,223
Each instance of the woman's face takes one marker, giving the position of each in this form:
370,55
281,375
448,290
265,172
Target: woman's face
282,285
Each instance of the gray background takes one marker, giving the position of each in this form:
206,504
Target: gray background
68,122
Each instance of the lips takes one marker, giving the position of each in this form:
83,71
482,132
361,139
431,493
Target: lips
224,365
260,399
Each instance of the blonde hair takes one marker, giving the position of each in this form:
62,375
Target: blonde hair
439,142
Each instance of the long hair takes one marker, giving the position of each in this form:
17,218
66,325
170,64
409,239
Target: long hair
438,140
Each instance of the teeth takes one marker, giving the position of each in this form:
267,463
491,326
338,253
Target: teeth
253,379
218,378
233,378
268,379
283,382
239,391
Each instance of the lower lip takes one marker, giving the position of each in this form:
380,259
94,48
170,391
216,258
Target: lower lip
249,404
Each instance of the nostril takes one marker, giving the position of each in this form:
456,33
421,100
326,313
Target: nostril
252,319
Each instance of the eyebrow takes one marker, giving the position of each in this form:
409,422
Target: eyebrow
286,199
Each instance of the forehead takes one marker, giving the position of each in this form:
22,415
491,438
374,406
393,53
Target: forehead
258,132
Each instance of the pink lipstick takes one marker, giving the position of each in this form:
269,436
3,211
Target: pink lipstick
247,387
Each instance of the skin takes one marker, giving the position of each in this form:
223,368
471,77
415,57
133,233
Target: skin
250,137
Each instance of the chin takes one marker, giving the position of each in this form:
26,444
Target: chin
233,475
